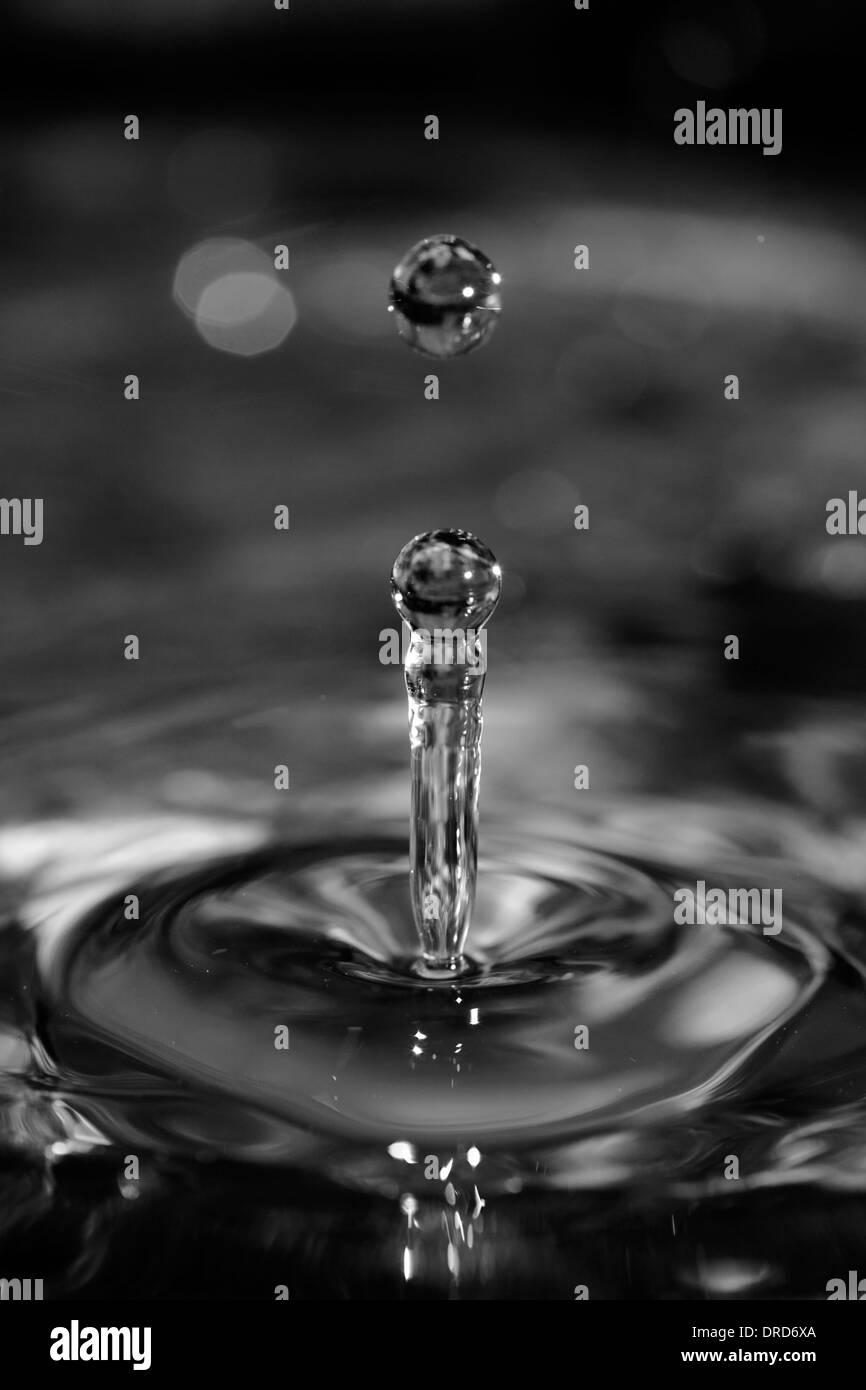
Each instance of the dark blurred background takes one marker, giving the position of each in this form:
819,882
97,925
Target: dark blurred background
509,64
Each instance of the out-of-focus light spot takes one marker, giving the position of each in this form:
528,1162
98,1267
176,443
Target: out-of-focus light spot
403,1151
208,260
235,299
408,1205
761,238
245,312
216,174
473,1156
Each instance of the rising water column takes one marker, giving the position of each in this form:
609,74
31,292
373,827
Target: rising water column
445,585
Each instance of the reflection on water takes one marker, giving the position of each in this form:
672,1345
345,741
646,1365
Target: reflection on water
462,1115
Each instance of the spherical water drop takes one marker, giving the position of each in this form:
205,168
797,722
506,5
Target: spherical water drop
448,575
445,297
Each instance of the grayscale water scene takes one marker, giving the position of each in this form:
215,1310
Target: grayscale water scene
292,993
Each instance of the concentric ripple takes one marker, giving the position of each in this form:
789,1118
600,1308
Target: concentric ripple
267,1006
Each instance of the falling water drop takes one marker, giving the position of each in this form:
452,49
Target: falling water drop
445,297
445,585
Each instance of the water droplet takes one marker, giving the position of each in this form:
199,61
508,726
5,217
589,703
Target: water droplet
451,576
445,297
